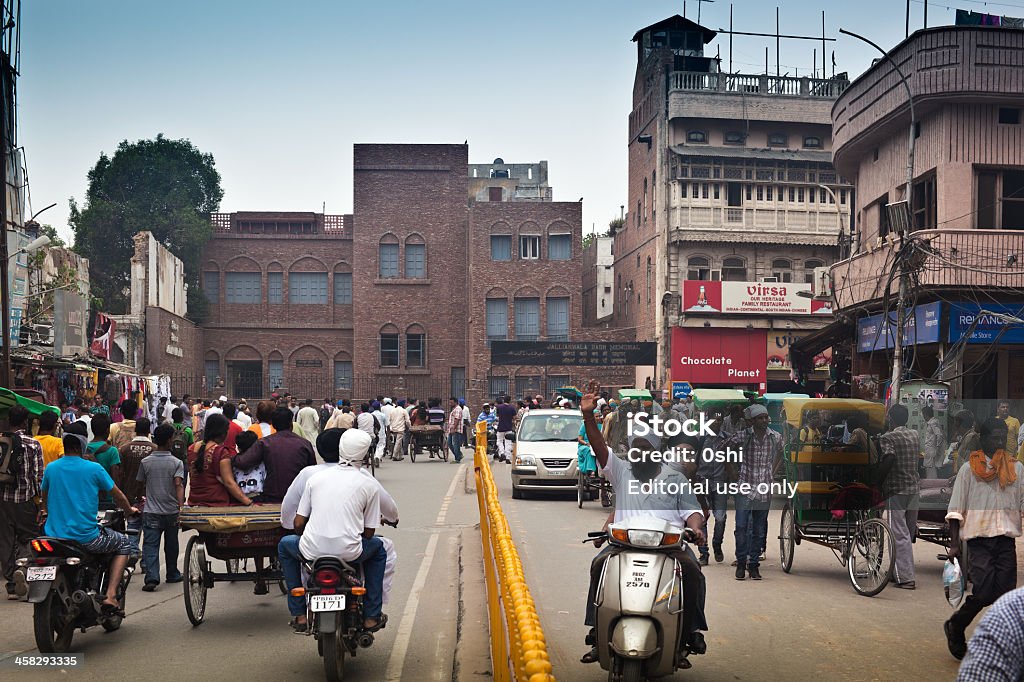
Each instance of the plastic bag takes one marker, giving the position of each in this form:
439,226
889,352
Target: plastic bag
953,582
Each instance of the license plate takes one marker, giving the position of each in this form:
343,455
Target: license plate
41,573
556,473
327,602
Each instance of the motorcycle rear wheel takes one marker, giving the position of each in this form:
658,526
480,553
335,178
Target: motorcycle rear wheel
53,632
334,652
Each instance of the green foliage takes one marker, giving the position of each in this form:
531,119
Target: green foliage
51,232
167,187
615,224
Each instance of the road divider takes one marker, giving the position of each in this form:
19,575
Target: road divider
518,647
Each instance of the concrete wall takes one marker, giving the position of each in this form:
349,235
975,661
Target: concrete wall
173,344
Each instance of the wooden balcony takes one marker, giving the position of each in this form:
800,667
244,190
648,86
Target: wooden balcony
952,259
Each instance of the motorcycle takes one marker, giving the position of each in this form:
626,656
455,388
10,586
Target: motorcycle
334,611
66,586
640,600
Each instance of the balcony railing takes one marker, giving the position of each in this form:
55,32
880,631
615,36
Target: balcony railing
970,259
825,88
756,219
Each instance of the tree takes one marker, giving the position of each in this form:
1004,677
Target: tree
167,187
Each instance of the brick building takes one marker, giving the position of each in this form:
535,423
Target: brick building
402,297
731,186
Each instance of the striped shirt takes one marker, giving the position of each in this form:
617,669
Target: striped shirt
905,445
30,477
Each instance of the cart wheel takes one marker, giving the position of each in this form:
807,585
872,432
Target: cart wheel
412,450
871,557
787,537
581,489
334,651
195,581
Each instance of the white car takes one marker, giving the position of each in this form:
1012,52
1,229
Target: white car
545,451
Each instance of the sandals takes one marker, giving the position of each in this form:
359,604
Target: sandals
299,628
590,656
381,623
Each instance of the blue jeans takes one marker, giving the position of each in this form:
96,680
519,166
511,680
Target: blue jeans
455,445
153,527
135,523
372,559
751,530
718,503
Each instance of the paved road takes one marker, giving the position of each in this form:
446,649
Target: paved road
806,625
247,636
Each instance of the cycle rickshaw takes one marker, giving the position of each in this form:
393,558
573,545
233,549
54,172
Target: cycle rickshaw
429,438
233,535
837,502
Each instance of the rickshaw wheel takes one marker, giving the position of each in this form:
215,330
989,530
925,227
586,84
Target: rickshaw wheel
787,537
871,557
194,584
412,449
581,489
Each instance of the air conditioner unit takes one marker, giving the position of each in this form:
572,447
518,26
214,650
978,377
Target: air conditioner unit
822,285
769,279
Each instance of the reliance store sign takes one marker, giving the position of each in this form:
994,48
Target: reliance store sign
989,329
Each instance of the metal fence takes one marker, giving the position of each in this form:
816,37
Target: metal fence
316,386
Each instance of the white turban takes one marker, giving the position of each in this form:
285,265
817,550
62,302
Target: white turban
354,446
755,411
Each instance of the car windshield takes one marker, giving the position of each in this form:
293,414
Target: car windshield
550,427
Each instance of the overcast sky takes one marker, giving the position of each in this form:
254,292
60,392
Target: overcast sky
279,92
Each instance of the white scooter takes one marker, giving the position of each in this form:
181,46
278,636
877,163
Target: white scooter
640,600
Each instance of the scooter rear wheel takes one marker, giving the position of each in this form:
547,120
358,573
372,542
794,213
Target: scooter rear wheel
334,652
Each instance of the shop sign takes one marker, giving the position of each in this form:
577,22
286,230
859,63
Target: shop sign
753,298
719,356
681,389
309,363
779,342
878,332
989,328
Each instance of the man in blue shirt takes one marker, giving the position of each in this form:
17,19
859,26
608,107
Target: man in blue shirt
70,490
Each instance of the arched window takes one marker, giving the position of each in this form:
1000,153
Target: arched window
734,138
697,137
778,140
734,269
812,142
342,285
275,370
558,317
698,268
415,346
275,283
782,270
388,257
342,372
809,266
415,257
390,346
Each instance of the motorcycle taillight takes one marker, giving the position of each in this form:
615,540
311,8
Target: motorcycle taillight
42,547
327,577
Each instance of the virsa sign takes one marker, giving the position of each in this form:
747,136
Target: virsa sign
781,298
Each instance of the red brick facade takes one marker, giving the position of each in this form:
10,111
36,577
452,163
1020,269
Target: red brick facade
404,196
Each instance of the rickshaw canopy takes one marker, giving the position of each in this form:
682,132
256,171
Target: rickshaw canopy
635,394
796,407
717,398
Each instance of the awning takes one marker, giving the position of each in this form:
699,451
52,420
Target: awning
772,154
9,399
803,350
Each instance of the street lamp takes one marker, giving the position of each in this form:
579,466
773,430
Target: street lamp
897,353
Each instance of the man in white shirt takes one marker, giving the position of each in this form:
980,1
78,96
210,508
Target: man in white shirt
337,515
399,423
984,512
367,422
309,419
679,509
386,408
328,444
242,418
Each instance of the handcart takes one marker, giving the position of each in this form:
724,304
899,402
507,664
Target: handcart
430,438
233,535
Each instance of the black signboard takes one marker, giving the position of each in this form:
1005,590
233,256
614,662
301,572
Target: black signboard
309,363
586,354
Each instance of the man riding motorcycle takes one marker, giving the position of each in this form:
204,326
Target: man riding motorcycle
678,509
70,493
